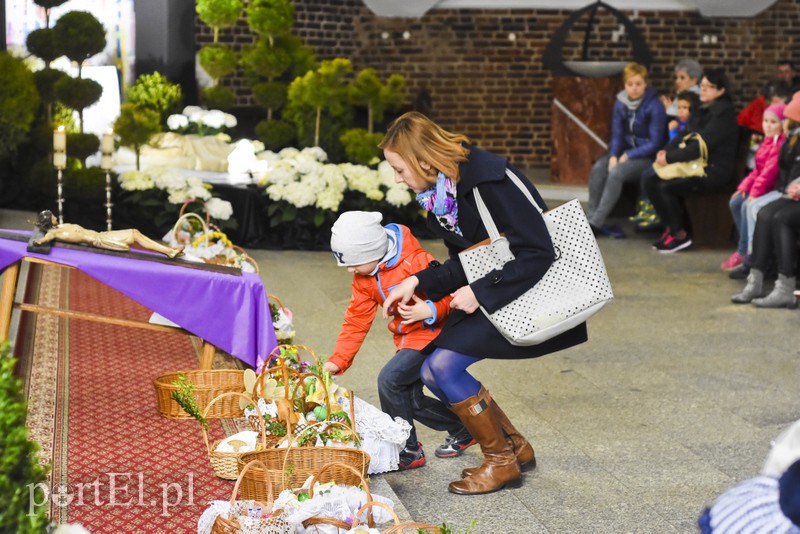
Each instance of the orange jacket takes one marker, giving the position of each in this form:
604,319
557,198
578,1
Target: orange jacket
369,292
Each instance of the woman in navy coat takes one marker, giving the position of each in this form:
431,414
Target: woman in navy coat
444,170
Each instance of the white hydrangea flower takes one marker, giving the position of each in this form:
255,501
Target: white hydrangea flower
386,173
199,193
314,152
213,118
167,178
299,195
276,192
176,122
334,177
375,194
191,111
307,165
288,153
135,181
329,199
258,146
229,120
219,209
399,196
178,196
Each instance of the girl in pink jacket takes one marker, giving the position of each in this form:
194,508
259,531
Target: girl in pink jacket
757,188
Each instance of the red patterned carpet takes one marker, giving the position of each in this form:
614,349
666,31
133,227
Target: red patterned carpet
118,466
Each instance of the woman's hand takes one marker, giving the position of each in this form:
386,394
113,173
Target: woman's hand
666,101
612,162
464,299
418,311
401,293
330,367
793,191
623,158
661,157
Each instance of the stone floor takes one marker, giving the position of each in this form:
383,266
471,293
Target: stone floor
675,397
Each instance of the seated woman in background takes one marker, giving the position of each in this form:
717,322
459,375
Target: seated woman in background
715,121
758,186
637,131
687,77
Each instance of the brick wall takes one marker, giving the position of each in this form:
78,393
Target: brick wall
495,89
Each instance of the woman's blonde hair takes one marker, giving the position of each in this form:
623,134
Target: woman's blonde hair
632,69
417,139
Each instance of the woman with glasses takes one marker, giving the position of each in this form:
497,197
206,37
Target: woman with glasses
715,121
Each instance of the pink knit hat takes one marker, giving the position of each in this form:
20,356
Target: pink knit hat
792,110
778,109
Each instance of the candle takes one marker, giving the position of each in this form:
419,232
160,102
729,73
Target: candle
60,160
106,162
107,145
60,140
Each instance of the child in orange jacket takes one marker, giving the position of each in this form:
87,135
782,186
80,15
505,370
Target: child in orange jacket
379,258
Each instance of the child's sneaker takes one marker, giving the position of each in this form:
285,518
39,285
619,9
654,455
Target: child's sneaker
735,261
455,444
411,458
674,243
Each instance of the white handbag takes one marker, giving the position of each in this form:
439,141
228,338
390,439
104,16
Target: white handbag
574,288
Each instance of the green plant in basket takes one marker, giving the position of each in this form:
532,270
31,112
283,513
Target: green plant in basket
184,396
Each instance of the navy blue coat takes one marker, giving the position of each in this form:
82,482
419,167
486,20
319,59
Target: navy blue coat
639,133
529,239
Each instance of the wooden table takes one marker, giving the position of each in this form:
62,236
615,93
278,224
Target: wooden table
8,305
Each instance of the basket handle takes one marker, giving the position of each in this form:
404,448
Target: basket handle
246,257
400,527
294,438
364,483
371,504
185,216
277,350
239,479
241,395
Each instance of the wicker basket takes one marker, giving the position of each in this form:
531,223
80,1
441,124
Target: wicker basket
367,507
289,468
225,463
321,520
276,523
413,526
276,352
209,384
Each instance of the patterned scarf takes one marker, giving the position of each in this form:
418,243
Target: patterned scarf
441,200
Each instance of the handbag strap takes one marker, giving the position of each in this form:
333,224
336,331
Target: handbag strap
486,217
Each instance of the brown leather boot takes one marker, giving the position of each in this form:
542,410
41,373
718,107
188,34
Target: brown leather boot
500,464
522,449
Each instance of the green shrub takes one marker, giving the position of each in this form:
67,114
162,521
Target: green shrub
82,145
135,125
360,146
46,80
20,470
218,61
154,91
78,93
264,62
218,97
44,43
275,134
81,35
18,102
87,184
269,18
219,13
271,95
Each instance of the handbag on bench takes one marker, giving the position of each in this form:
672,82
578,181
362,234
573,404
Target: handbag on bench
685,169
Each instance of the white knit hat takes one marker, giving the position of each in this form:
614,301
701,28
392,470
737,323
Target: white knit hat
357,237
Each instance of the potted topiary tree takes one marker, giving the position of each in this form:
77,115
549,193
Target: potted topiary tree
271,63
135,126
361,146
154,91
217,59
80,36
317,94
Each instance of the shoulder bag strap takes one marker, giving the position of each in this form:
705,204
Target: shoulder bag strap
486,217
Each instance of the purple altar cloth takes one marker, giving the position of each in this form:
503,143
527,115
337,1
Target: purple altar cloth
229,311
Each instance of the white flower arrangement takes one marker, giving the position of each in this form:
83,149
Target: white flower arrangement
179,189
195,119
303,179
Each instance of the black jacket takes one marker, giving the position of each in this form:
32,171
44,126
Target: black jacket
529,239
788,162
717,125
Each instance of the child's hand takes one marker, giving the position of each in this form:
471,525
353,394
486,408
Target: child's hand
411,313
672,124
330,367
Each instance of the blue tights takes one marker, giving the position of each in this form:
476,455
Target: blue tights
444,372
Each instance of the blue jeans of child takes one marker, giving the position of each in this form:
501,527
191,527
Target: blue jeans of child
401,395
738,204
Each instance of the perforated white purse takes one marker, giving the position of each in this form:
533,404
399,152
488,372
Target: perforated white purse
574,288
